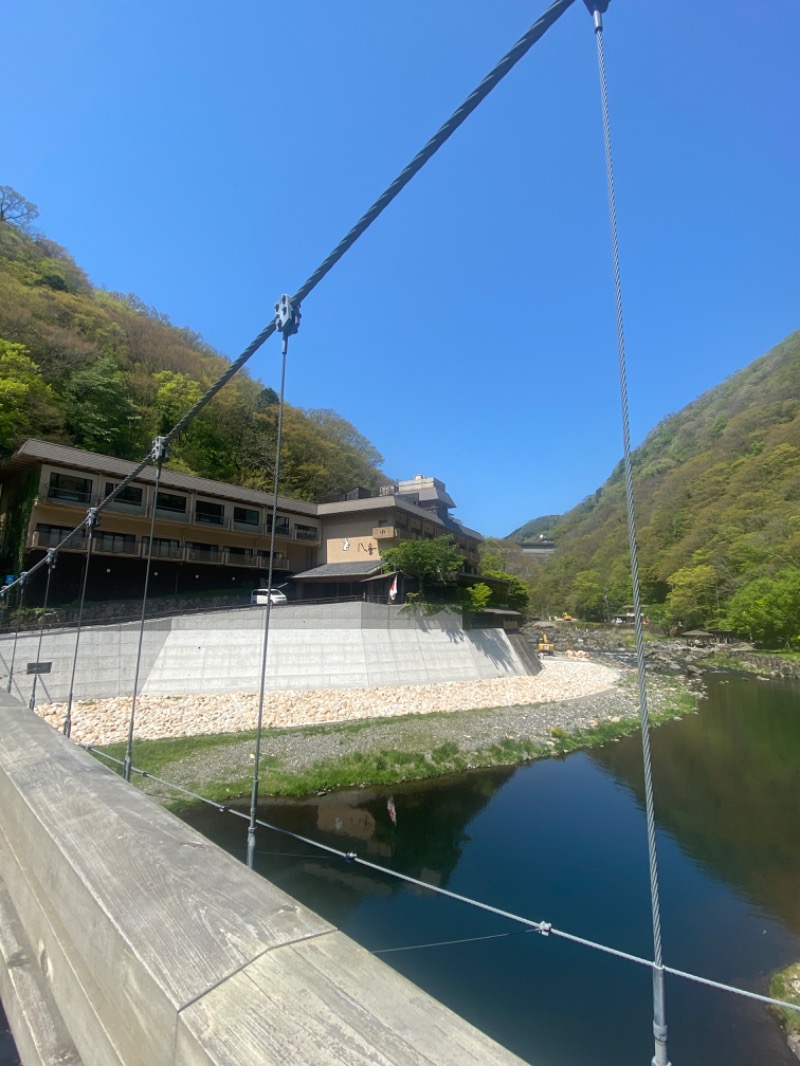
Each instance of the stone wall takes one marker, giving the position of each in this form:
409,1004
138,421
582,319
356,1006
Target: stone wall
310,646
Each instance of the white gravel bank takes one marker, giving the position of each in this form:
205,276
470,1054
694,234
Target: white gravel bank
106,721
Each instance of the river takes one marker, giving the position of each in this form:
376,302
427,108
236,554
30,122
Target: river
563,840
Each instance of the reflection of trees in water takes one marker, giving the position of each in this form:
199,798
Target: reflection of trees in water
727,786
426,842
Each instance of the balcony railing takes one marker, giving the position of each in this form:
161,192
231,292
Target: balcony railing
306,534
111,544
234,559
77,541
164,551
68,495
204,555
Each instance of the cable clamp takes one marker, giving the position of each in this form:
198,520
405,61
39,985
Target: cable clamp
287,316
159,452
92,518
350,856
545,927
51,558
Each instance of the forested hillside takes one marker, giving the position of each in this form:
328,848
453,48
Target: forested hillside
717,490
102,371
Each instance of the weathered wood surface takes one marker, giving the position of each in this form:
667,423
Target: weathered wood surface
159,948
40,1034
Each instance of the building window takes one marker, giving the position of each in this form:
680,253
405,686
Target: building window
130,494
115,542
306,532
209,553
209,514
245,516
169,501
69,488
51,536
281,526
163,547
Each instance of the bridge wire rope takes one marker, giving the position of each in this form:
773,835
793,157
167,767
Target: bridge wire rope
531,926
89,522
535,32
21,581
51,562
159,453
251,829
443,134
660,1058
458,117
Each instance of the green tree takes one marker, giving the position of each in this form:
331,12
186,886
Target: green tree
16,209
99,411
27,403
589,595
767,609
516,595
692,597
428,561
477,597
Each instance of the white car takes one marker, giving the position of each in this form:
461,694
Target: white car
265,596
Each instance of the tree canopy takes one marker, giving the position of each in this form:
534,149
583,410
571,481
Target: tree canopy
106,372
429,561
717,487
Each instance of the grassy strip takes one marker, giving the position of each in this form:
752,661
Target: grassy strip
785,985
384,766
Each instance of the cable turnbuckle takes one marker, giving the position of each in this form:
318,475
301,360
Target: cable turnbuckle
287,316
159,452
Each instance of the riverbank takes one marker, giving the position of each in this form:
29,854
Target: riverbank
407,735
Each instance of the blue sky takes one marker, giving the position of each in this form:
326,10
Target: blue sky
207,158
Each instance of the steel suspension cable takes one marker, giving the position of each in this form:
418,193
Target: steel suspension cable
89,522
443,134
20,582
660,1057
160,454
251,829
51,562
531,926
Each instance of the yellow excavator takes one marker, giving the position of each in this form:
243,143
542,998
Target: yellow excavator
544,645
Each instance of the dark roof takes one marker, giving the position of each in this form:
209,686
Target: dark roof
33,451
338,571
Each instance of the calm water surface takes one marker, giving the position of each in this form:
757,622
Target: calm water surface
564,841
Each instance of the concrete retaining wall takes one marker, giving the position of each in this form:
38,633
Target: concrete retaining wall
335,646
126,939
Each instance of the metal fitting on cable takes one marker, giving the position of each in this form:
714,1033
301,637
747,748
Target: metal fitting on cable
287,316
92,518
545,927
351,856
159,452
51,558
596,9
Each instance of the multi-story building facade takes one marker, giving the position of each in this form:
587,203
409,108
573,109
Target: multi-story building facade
206,534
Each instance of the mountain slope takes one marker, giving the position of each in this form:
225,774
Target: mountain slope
716,487
104,372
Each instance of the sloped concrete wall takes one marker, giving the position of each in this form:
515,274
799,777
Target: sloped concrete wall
127,939
332,646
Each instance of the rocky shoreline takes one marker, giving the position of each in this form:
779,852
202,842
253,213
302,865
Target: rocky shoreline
403,732
106,721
